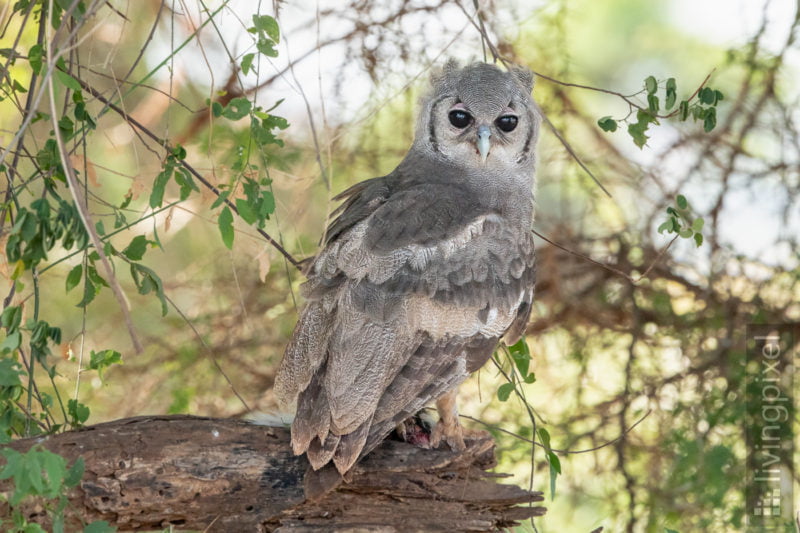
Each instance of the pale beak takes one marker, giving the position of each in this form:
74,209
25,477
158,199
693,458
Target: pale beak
483,142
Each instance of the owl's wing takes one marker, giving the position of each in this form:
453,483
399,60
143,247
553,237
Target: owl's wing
409,296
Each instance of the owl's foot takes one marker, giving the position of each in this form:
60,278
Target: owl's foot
448,429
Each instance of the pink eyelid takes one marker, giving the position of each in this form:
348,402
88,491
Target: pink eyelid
459,107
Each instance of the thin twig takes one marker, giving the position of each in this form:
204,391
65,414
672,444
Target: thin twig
633,280
169,148
563,452
208,351
82,208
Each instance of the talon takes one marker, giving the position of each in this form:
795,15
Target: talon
448,428
451,432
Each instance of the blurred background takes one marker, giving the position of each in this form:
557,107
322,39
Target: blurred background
637,336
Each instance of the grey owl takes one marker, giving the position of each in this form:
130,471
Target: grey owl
421,273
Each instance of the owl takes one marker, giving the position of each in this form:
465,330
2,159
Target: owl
421,273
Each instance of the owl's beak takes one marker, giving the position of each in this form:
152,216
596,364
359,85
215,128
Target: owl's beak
483,142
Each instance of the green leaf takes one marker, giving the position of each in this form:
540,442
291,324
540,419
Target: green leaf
552,459
184,180
245,210
267,47
137,248
651,85
11,317
707,96
11,342
127,200
223,195
225,223
698,239
35,528
672,93
18,87
504,391
67,80
555,470
521,355
99,526
96,278
637,133
544,436
74,277
697,224
652,103
89,292
718,97
686,233
710,120
179,152
267,205
607,124
36,57
104,359
10,371
247,63
160,183
683,110
147,281
66,125
55,468
681,201
268,25
78,412
75,473
237,108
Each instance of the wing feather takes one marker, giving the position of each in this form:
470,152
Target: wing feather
305,353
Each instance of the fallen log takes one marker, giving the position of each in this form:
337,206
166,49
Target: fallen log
224,475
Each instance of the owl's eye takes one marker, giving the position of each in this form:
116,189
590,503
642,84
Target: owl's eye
460,119
507,123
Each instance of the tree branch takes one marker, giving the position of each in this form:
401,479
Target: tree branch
207,474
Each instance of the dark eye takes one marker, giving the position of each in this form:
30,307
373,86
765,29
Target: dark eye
460,119
506,123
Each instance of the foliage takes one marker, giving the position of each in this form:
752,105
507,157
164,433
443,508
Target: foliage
700,106
43,475
55,214
682,223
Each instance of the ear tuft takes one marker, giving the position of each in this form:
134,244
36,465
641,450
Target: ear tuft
523,76
444,74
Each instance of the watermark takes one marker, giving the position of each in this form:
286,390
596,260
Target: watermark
769,415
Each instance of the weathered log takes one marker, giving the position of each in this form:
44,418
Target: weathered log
227,475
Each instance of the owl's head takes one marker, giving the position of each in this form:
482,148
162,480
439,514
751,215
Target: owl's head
480,116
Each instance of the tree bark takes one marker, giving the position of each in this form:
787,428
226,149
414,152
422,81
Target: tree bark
222,475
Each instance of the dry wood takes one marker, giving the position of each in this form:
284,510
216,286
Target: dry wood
225,475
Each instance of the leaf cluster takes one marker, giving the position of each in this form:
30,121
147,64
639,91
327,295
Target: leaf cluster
700,106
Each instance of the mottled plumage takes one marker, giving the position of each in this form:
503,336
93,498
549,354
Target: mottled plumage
421,273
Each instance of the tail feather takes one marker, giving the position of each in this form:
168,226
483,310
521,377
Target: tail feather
321,452
350,447
313,418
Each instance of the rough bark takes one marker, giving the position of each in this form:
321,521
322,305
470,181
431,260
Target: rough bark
227,475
